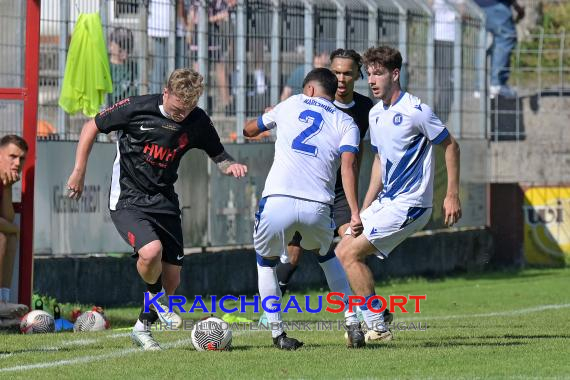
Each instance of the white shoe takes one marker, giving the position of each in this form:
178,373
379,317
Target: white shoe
503,91
376,336
170,319
12,310
145,340
263,321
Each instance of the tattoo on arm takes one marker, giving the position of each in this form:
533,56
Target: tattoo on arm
224,161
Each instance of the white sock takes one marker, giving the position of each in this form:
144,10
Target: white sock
269,286
5,294
337,281
374,321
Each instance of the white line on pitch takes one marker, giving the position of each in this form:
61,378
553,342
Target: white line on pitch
508,313
94,358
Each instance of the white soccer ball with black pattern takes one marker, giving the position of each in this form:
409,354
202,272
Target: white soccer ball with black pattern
90,321
37,322
212,334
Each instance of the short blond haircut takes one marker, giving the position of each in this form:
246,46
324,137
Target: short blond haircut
186,84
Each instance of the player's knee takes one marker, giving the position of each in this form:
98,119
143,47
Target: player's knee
341,253
347,253
151,252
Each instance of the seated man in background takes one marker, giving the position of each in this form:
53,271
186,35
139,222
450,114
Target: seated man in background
13,150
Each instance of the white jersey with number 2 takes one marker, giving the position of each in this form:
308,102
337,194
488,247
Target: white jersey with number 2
311,136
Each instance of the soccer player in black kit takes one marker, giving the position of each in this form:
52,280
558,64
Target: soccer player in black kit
153,133
346,65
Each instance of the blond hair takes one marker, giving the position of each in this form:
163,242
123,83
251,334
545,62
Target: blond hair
186,84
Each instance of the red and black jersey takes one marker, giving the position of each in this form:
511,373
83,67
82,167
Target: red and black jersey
358,110
149,149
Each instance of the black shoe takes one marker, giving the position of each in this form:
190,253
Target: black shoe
355,336
285,343
388,317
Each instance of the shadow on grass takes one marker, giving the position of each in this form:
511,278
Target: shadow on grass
469,344
512,336
38,349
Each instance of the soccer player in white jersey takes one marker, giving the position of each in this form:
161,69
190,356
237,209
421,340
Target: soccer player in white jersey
312,137
398,203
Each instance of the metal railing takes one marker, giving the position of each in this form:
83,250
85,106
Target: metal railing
250,52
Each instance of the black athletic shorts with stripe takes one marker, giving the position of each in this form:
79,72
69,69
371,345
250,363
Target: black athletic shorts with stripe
139,228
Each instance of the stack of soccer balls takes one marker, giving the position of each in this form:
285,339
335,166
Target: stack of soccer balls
212,334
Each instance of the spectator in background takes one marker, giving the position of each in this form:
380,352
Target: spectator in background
13,150
294,83
444,39
124,71
501,24
158,31
221,48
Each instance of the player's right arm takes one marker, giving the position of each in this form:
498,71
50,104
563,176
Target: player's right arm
349,173
375,185
76,180
255,127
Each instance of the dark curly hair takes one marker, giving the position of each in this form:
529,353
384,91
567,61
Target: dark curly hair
350,54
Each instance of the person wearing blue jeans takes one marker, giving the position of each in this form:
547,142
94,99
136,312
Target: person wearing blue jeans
501,24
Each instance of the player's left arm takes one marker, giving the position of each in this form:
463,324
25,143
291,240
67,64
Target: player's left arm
211,144
229,166
432,127
451,203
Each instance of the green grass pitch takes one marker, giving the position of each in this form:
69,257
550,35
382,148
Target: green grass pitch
499,325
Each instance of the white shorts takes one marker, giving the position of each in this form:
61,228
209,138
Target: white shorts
387,224
280,216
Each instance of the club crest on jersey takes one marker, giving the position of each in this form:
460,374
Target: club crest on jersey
397,120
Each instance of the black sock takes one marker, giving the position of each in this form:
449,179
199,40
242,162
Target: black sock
156,287
148,318
284,273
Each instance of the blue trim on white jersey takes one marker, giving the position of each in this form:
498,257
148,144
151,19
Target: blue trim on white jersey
348,148
442,136
374,149
258,213
410,152
413,214
388,167
415,182
396,102
260,125
410,174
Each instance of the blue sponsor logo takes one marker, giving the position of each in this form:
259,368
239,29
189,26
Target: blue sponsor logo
374,231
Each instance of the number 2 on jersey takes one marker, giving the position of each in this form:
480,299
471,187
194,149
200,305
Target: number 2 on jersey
316,120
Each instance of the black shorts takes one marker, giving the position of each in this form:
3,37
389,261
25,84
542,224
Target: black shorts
341,215
139,228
